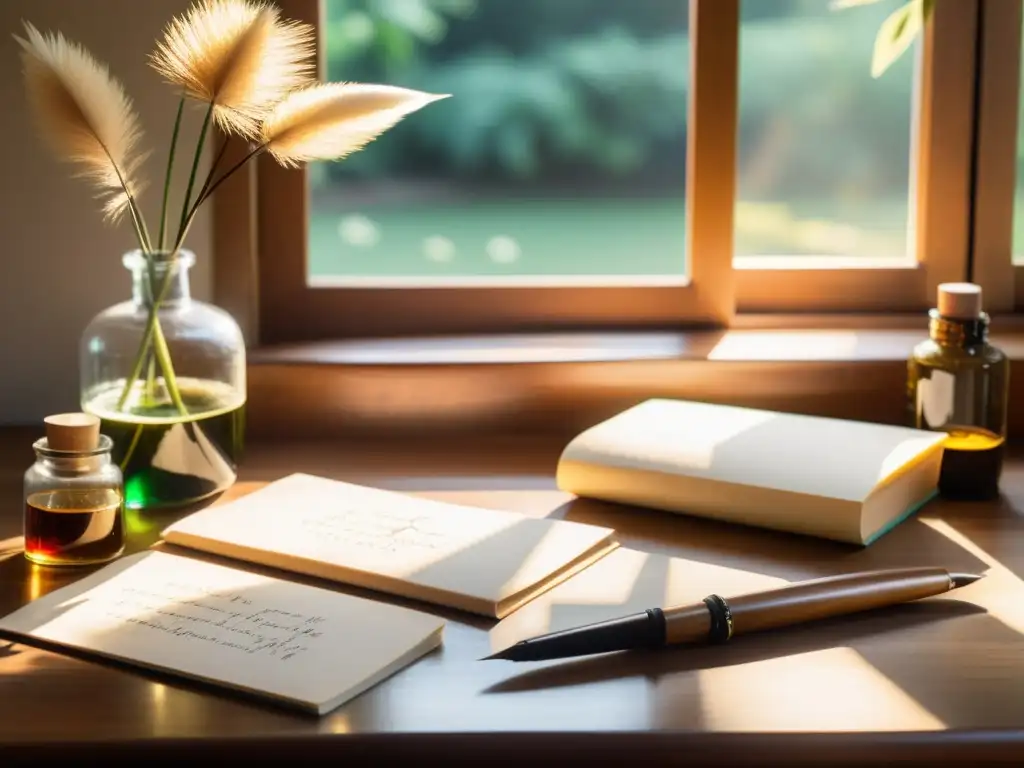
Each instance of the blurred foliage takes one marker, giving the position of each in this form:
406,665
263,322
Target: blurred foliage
595,91
811,109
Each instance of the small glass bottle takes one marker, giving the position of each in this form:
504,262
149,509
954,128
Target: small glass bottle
74,498
958,383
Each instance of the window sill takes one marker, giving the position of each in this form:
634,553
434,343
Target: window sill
562,382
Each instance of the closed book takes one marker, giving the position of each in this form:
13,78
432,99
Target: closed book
843,480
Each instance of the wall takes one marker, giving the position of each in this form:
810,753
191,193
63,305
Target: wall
59,262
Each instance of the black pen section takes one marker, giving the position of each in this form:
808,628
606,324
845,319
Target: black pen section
641,630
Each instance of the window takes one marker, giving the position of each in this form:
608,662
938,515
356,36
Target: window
510,237
997,261
825,149
623,163
860,234
563,153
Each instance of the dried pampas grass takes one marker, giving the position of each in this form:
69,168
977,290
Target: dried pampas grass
333,120
239,57
252,68
255,72
84,114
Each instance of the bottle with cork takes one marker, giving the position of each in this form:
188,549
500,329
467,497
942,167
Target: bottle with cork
74,496
958,383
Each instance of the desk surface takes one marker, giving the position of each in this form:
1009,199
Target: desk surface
940,680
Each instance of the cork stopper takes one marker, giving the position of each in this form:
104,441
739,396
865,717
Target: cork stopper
72,432
960,301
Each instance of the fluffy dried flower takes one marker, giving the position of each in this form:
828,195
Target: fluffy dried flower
84,114
238,56
333,120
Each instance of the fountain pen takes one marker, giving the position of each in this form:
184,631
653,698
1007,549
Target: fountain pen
717,620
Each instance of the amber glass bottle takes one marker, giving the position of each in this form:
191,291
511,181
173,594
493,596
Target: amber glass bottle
959,383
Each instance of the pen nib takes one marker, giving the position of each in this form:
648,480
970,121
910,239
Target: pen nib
498,655
963,579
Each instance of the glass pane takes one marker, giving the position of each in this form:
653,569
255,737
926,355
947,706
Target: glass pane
824,148
1018,198
561,152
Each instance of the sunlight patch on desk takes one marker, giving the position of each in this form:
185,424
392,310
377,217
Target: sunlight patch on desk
38,580
160,722
338,724
546,556
999,592
16,659
602,591
830,690
623,582
11,547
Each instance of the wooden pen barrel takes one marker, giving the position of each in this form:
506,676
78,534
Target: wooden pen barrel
810,601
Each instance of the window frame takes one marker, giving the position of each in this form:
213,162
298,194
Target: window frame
940,195
999,96
290,310
261,227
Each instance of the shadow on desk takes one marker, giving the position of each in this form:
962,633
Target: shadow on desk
935,665
945,662
822,635
913,543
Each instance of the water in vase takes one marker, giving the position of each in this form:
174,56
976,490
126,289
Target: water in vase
169,459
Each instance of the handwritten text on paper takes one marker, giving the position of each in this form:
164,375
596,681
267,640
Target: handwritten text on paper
379,529
226,619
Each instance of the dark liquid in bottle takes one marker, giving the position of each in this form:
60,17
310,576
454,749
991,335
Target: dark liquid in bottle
74,527
972,463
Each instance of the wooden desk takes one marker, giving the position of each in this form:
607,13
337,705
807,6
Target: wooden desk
939,681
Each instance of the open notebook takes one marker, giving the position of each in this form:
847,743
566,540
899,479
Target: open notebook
300,646
484,561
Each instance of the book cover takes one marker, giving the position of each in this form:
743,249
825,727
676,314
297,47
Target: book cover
844,480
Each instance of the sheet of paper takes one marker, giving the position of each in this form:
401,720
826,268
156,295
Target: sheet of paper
625,581
483,553
206,621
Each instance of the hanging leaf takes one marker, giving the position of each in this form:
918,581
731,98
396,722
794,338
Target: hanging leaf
896,35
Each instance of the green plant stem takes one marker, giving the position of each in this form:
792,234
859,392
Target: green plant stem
187,202
131,448
163,356
167,176
163,359
137,220
153,335
209,189
213,169
148,248
150,379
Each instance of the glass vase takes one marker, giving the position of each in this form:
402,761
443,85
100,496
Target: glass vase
166,375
